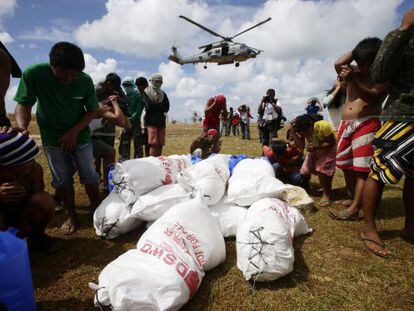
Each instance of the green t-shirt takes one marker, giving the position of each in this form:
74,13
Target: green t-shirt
60,107
135,107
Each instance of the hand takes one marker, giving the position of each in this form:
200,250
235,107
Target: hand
68,140
408,20
113,98
310,148
346,73
337,84
11,192
5,129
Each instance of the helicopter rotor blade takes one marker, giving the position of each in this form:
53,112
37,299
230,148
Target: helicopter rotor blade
203,27
261,23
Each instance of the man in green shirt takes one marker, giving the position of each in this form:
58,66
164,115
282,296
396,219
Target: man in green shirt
66,103
394,142
135,107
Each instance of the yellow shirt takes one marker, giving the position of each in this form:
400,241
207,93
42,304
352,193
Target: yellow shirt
321,130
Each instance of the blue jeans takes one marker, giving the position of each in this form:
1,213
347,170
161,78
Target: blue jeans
61,164
293,178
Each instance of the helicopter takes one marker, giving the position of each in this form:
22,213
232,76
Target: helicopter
222,52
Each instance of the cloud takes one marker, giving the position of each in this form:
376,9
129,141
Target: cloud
7,8
144,28
98,70
60,30
300,45
5,37
319,29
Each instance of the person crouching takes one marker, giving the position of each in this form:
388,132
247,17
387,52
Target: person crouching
285,160
206,144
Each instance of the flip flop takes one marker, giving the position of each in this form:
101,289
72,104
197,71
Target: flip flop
344,216
381,245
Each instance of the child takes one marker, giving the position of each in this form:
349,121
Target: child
235,124
360,121
23,202
285,159
66,104
321,148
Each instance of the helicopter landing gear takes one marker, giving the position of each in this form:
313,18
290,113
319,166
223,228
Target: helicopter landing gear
237,64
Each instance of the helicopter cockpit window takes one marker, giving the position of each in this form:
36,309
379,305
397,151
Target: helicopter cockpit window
209,54
217,51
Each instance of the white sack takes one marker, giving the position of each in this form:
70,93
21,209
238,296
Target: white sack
112,217
252,180
264,240
135,177
209,177
154,204
166,269
153,277
173,165
189,224
228,216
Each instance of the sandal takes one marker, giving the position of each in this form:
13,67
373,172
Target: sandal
344,215
384,253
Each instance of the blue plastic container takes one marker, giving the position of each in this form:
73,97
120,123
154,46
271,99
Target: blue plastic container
195,160
16,286
111,185
234,160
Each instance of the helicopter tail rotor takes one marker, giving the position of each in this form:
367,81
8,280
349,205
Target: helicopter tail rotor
175,57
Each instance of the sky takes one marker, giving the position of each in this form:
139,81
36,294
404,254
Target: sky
133,38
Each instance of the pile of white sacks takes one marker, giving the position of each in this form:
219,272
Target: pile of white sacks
192,208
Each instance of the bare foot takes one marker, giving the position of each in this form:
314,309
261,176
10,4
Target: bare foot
70,226
325,201
347,202
373,243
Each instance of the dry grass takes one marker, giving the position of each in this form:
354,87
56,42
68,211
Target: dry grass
332,268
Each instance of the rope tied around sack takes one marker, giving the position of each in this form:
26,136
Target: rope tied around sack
256,252
106,228
122,185
100,305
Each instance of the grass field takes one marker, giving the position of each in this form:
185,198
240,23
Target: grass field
332,268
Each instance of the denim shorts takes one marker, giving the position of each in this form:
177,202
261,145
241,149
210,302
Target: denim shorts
63,165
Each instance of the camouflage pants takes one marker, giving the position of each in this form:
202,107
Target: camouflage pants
125,144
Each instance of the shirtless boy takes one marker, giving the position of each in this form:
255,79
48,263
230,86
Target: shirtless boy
360,121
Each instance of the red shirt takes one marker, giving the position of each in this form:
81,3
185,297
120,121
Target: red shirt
283,160
212,117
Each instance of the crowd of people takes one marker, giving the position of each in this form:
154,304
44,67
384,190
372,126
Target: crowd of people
371,144
77,123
